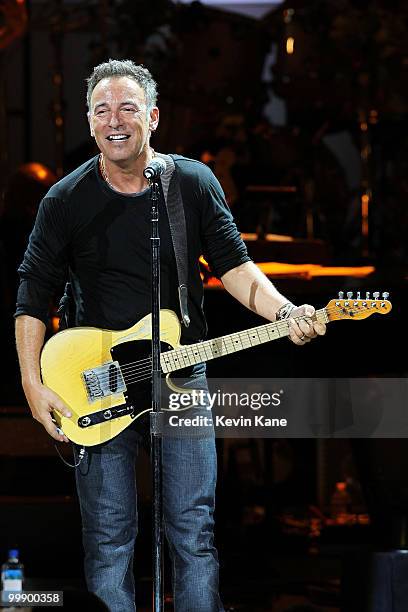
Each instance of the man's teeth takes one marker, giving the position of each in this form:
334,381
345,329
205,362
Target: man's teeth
118,137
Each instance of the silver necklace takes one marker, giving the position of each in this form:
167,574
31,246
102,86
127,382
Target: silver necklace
104,174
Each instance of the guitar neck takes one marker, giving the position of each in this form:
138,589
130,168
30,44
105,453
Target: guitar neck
192,354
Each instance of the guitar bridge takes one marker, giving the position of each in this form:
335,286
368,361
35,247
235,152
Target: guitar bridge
103,381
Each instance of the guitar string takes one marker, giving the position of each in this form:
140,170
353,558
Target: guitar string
128,376
136,372
129,368
140,374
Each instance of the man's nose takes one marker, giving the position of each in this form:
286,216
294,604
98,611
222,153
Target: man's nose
114,120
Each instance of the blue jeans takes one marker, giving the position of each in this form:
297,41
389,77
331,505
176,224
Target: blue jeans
106,485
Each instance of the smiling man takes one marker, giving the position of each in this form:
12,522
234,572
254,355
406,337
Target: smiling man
122,117
93,227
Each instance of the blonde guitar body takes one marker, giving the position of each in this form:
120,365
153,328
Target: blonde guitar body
70,353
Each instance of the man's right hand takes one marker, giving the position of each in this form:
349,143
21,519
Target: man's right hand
42,402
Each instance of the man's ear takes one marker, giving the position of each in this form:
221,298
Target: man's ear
154,119
88,114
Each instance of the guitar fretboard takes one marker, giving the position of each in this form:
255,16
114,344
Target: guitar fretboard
192,354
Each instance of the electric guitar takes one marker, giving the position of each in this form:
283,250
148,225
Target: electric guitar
104,377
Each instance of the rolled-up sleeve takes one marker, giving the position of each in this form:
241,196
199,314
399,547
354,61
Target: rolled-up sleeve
223,247
45,263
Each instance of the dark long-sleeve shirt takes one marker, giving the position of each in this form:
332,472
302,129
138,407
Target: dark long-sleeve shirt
102,239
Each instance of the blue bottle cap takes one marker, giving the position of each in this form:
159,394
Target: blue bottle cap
13,553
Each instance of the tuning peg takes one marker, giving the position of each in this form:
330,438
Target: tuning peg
376,295
367,295
358,295
341,294
349,294
385,295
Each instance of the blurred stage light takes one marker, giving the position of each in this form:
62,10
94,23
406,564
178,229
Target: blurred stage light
257,9
23,192
39,172
290,45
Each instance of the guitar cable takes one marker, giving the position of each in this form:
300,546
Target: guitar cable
81,455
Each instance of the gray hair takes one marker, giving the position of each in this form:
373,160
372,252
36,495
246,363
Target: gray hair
121,68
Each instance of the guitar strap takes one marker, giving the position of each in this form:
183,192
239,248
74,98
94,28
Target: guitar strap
65,308
170,187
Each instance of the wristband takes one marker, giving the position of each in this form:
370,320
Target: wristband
284,311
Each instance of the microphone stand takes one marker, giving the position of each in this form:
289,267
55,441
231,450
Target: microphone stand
156,413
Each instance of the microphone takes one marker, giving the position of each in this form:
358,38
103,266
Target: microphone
156,167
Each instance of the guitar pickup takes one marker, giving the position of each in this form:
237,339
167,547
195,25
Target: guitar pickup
103,381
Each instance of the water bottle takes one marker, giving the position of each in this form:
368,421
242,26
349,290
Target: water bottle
12,575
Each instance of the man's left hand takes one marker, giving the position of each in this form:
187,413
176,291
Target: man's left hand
304,328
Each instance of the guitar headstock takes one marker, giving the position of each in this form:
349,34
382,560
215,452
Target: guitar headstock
357,308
